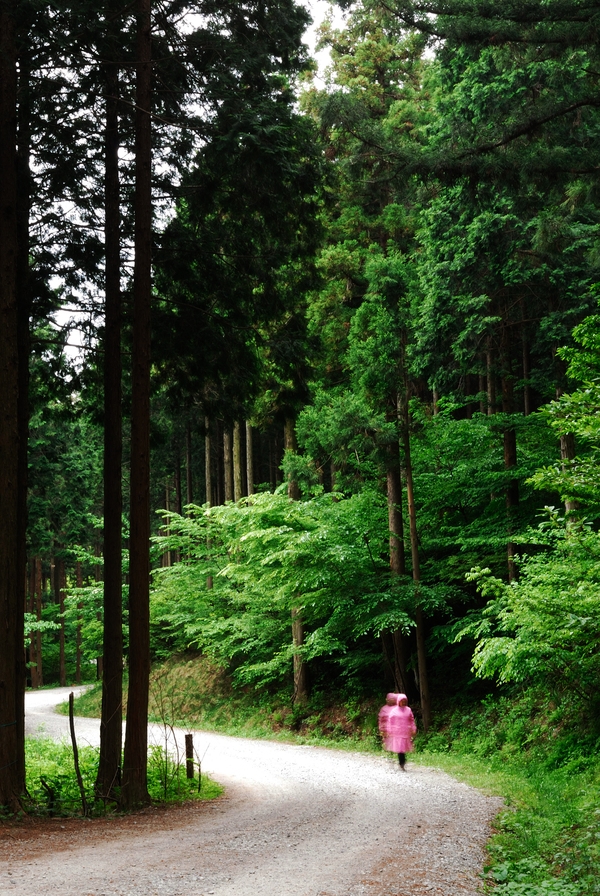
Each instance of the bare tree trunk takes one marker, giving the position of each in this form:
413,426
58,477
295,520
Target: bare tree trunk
177,483
249,460
416,571
491,382
166,557
188,465
301,679
290,444
237,461
59,597
38,613
394,501
134,790
24,303
567,454
30,607
397,558
526,374
79,579
111,665
227,464
207,463
512,487
272,471
218,486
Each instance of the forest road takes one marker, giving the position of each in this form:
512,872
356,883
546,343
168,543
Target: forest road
294,821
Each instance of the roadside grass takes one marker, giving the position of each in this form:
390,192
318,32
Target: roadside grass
52,788
543,763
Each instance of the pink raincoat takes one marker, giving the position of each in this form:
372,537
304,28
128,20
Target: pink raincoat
400,728
391,702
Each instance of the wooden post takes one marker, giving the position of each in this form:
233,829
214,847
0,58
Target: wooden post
189,756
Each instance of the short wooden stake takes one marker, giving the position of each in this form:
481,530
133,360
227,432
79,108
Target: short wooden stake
189,756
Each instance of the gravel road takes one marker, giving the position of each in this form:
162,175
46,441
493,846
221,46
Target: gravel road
294,821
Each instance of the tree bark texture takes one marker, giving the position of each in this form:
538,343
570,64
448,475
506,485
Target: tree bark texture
134,789
491,380
189,491
78,631
567,454
301,678
394,502
397,558
237,461
512,485
11,577
207,463
249,460
416,571
39,585
290,444
60,584
227,463
24,301
111,721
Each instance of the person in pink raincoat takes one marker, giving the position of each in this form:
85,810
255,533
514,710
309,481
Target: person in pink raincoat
391,702
400,729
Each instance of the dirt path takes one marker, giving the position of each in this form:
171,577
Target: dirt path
294,821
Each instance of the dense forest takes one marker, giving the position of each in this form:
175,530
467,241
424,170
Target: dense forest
300,373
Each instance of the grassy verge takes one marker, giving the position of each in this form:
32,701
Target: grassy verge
547,840
52,788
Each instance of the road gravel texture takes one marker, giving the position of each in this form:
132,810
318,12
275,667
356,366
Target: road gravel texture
294,821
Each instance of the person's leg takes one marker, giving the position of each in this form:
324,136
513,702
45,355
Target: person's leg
402,759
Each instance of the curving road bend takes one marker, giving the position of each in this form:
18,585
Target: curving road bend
294,821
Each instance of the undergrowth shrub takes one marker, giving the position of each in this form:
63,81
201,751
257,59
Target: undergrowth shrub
52,788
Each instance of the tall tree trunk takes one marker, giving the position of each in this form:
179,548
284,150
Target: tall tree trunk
227,463
416,569
249,459
38,612
237,461
512,486
60,584
207,463
189,492
397,558
177,485
11,596
166,557
218,481
301,678
30,607
526,375
111,720
209,479
290,444
567,454
491,379
394,502
24,300
79,578
134,789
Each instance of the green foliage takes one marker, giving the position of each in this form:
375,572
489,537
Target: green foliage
53,790
544,627
267,555
577,413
